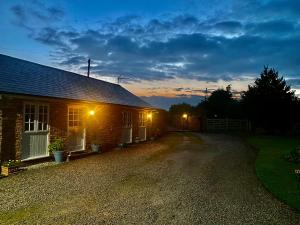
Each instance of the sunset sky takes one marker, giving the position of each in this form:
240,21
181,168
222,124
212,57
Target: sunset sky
168,51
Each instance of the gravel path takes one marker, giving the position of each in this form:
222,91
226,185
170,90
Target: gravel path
181,179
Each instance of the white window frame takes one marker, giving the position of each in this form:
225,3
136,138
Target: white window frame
80,117
127,119
78,127
35,117
142,119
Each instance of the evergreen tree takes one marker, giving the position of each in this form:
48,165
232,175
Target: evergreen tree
270,103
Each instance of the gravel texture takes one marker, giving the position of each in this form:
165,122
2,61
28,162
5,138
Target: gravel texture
182,178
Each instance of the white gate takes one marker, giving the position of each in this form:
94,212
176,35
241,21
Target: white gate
126,127
36,131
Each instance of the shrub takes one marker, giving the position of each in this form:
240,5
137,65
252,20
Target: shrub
56,145
293,156
12,163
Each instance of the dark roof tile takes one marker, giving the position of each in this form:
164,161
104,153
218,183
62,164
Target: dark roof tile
24,77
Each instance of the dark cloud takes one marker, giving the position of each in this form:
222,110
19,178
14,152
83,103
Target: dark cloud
229,26
273,27
225,46
34,14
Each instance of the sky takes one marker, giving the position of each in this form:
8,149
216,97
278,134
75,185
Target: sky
165,51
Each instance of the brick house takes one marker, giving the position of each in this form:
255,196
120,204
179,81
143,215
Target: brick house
39,103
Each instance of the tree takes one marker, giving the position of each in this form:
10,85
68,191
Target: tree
270,103
221,104
179,109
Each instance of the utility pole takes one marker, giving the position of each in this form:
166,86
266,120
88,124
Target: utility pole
89,65
120,78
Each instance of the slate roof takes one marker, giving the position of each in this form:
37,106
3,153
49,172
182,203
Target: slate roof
23,77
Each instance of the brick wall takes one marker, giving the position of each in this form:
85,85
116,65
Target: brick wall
11,138
104,127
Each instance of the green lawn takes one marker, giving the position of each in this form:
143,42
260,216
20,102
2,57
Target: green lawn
276,173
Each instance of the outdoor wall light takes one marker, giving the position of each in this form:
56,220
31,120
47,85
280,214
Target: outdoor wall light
91,112
184,116
149,115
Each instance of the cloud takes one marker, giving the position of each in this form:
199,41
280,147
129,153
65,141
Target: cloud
228,46
34,14
273,27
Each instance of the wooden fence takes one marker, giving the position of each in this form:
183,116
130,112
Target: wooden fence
227,125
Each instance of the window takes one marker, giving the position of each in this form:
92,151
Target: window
35,117
75,116
142,119
127,119
43,118
29,117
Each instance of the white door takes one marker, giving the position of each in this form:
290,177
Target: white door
142,126
126,127
36,131
76,131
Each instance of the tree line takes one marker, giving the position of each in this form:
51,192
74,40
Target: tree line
269,104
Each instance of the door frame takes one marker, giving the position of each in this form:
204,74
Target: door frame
143,122
36,105
83,126
127,124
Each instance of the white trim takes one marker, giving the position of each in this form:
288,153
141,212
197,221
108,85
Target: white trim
82,125
36,106
35,130
36,157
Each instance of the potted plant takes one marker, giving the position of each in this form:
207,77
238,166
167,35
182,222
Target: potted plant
9,167
95,146
56,147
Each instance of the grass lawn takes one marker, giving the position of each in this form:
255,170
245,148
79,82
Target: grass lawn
275,173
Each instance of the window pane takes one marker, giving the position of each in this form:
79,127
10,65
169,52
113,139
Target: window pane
26,126
40,126
31,116
26,118
45,126
31,128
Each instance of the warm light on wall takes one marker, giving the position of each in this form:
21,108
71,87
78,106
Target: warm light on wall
184,116
91,112
149,115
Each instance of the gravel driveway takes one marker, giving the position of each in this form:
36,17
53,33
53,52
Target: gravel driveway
181,179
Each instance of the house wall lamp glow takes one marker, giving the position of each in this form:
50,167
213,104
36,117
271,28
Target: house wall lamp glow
91,112
184,116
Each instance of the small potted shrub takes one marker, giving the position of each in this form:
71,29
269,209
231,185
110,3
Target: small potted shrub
9,167
95,146
56,147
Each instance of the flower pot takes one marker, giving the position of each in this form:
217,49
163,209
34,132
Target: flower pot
58,156
5,171
95,148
